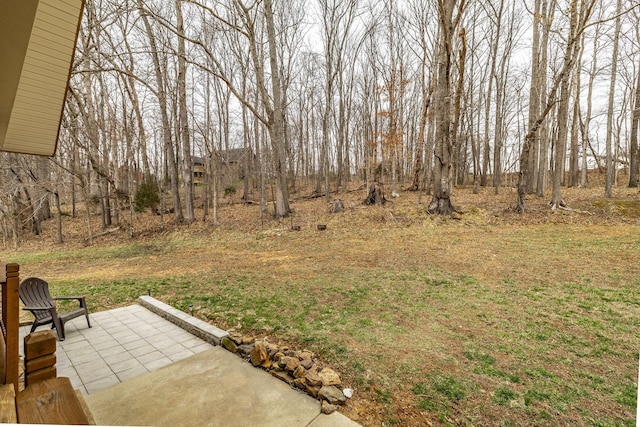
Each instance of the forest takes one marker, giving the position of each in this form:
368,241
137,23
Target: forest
174,105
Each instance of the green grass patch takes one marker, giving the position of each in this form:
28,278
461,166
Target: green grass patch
504,396
449,387
383,396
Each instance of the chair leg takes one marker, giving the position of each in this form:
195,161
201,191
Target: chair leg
88,323
59,328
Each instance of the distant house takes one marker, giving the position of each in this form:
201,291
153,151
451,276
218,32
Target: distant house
233,165
236,163
198,170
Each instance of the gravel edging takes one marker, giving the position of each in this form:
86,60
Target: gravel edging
197,327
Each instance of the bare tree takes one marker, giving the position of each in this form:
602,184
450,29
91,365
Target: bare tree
579,21
633,138
611,162
560,146
574,164
425,43
167,134
585,123
336,20
442,172
539,155
496,15
183,122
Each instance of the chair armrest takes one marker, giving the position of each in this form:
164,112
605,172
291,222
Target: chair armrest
81,300
28,308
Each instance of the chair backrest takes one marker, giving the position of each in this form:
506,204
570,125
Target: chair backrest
34,292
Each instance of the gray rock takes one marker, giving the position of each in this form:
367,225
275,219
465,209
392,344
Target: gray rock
245,349
327,408
312,378
306,363
305,354
332,394
337,206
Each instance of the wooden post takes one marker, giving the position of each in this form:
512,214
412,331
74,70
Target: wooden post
39,357
8,404
10,319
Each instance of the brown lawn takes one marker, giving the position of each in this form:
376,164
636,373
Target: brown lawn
489,318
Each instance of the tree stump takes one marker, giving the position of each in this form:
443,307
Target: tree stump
376,195
337,206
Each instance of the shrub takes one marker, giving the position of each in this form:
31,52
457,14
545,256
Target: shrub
147,196
229,191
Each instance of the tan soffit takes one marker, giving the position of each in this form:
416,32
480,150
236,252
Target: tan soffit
37,44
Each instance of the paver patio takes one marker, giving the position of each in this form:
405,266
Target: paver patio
122,343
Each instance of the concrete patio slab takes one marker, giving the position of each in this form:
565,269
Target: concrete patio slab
213,388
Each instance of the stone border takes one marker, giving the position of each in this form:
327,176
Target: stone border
197,327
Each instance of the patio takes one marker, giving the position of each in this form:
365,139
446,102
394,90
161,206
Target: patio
137,368
121,344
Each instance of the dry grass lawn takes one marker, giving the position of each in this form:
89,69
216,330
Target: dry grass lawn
490,318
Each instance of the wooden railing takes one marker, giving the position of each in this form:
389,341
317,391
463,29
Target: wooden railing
10,323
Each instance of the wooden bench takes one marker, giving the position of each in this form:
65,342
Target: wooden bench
46,398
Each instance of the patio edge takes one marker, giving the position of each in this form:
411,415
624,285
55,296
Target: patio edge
197,327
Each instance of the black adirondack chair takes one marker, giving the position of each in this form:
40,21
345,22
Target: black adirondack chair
34,294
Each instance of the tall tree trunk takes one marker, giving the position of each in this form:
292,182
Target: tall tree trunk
170,156
460,163
575,32
611,162
474,123
563,111
427,92
442,172
537,66
187,163
633,139
422,130
59,217
276,128
574,163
